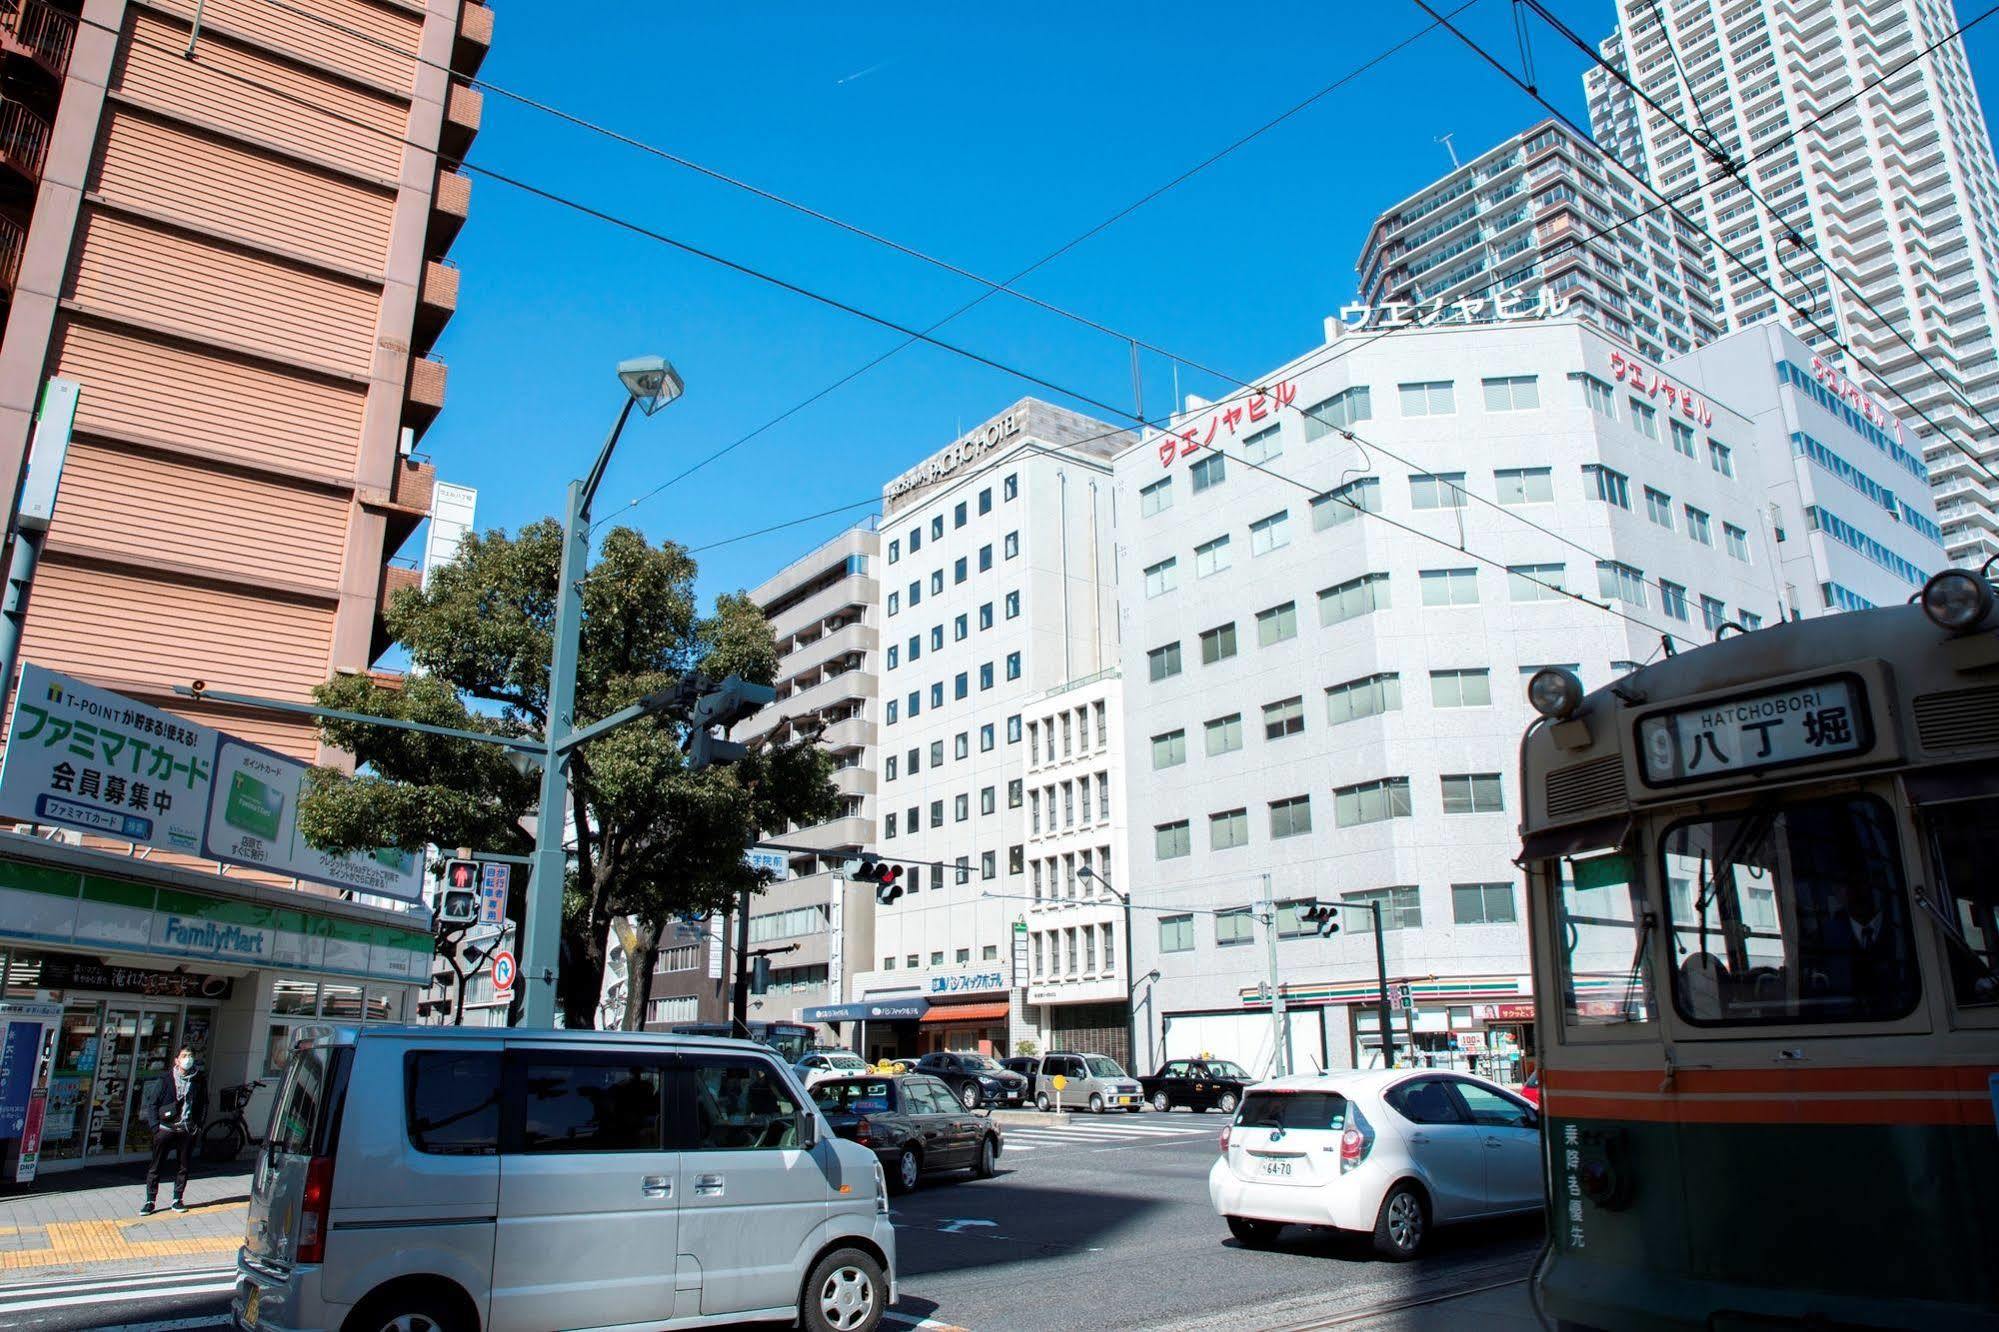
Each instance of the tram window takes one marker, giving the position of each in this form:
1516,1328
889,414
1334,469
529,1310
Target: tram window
1964,845
1604,935
1786,914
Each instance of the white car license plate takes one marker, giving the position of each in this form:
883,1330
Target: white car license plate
250,1303
1276,1167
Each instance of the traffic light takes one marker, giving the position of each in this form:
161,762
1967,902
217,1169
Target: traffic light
884,876
458,903
759,975
1324,915
732,701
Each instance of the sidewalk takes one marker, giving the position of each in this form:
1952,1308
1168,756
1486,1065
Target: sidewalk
87,1223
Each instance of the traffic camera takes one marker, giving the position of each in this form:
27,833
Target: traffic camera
885,877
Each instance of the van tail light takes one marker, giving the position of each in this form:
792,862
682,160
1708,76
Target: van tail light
314,1204
864,1132
1356,1140
1225,1138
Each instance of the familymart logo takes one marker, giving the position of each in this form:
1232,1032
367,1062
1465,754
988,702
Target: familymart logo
208,937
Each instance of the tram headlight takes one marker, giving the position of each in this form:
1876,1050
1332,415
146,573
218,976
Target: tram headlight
1555,693
1957,600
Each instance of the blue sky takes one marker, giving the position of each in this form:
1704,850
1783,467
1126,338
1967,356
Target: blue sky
985,136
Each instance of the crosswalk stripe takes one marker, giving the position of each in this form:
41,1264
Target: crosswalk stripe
129,1281
210,1287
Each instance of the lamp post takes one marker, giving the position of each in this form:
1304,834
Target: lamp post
1131,981
650,384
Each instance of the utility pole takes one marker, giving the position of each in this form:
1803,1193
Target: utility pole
1381,994
32,515
1277,1023
739,998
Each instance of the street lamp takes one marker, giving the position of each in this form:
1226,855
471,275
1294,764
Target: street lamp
650,383
1131,981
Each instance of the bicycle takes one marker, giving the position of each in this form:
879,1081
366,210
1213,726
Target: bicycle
227,1136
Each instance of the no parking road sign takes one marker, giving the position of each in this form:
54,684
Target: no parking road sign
503,973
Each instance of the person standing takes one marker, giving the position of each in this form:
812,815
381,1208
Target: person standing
175,1108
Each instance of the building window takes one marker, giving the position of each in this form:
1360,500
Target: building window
1010,486
985,615
985,557
1010,544
961,685
1371,802
1683,438
1597,395
936,581
1616,581
895,603
1176,933
915,595
1534,582
1013,729
1525,485
960,570
1013,665
915,539
1721,458
1012,603
1736,540
1472,793
986,738
1338,412
1713,613
1271,533
1234,927
1610,485
937,527
1368,696
1228,829
1169,750
1355,597
1217,644
1338,507
1014,789
1284,717
1513,393
1277,624
1698,526
892,651
986,500
1207,473
889,713
1155,498
1211,557
961,629
1449,587
1170,841
1482,904
1401,909
894,550
958,515
1437,490
1659,507
1644,419
1428,399
961,807
1290,817
1224,734
1673,599
985,675
888,772
937,813
1461,689
988,800
1162,662
1264,445
988,864
888,824
1162,577
937,694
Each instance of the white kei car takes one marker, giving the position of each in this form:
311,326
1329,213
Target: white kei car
1389,1152
820,1065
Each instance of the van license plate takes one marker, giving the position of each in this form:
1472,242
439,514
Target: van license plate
250,1303
1276,1167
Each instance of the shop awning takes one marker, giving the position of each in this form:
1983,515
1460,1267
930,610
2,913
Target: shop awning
995,1012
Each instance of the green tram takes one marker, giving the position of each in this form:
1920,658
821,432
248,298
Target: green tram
1763,887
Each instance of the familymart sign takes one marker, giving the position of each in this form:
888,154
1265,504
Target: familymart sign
83,757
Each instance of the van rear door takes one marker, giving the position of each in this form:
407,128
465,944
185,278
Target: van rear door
305,1115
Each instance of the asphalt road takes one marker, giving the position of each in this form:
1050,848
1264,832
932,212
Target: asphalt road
1105,1226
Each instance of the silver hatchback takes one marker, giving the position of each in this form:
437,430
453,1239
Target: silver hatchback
422,1179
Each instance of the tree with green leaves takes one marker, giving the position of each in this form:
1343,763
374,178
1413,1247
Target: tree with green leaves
653,840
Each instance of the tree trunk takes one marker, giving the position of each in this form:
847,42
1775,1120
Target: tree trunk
640,955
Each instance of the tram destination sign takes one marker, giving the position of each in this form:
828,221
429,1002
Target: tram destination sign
1775,728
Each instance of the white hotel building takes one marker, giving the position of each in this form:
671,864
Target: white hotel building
1317,696
996,588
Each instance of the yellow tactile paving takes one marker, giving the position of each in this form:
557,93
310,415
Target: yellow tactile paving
73,1243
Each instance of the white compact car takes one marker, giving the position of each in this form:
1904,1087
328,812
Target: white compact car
1389,1152
820,1065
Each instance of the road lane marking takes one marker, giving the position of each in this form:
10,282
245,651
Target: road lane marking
99,1296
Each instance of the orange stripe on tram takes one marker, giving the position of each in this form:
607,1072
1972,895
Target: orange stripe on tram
1945,1109
1778,1081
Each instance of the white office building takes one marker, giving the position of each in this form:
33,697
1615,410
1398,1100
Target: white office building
1543,220
1325,647
996,586
1890,177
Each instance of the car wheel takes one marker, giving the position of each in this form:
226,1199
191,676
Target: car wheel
408,1311
845,1293
1162,1102
908,1171
988,1162
1254,1234
1226,1104
1096,1104
968,1096
1041,1101
1400,1226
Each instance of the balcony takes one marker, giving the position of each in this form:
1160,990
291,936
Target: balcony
838,834
852,733
426,393
843,596
395,578
854,781
475,38
24,141
13,237
450,205
437,301
462,111
411,487
38,32
807,658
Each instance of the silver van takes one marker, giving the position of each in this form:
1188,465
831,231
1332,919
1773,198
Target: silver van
1091,1082
427,1179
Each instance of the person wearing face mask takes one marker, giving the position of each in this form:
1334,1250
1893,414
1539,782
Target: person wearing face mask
175,1108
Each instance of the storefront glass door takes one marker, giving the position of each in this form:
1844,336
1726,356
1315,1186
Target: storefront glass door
153,1052
114,1081
66,1123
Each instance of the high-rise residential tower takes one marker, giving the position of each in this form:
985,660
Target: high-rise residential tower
1831,135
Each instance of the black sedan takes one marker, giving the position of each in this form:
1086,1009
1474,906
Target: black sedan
975,1079
914,1124
1199,1084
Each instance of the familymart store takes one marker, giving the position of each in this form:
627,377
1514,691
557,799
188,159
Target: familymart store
123,961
